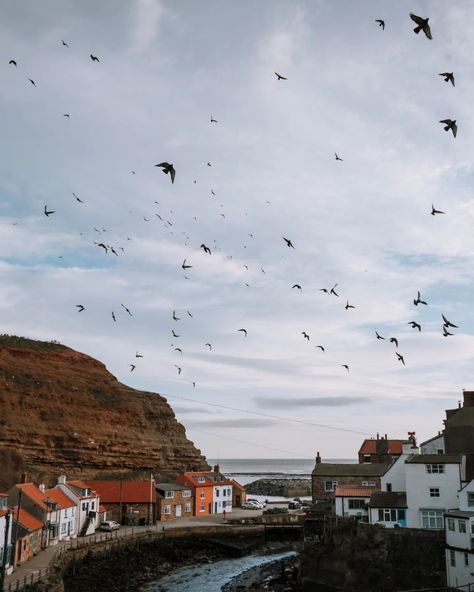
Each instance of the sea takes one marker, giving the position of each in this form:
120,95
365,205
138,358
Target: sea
246,470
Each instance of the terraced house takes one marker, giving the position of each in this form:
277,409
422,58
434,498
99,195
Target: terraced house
212,491
174,501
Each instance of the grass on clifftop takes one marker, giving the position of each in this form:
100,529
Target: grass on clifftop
26,343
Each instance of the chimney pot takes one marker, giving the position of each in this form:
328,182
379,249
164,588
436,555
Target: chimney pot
318,458
24,477
377,435
217,469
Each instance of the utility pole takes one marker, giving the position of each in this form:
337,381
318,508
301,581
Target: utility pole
3,567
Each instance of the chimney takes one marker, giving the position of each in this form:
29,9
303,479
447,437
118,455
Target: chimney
217,469
24,478
468,398
385,436
62,480
378,436
42,487
318,458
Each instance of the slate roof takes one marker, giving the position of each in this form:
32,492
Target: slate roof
352,491
350,470
171,487
210,478
434,459
129,492
459,513
388,499
432,439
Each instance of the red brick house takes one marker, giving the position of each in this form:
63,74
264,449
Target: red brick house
380,450
173,501
212,491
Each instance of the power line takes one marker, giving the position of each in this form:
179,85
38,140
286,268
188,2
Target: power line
289,419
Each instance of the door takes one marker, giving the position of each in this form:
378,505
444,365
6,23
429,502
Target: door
178,510
215,507
210,507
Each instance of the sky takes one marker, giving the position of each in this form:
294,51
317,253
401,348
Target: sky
266,169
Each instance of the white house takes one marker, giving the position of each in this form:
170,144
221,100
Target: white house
352,500
86,502
6,524
388,508
434,445
394,478
432,485
222,496
66,513
459,528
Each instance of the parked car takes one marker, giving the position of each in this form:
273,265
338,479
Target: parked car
294,506
109,525
255,501
251,506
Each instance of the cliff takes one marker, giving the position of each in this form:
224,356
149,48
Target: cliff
61,411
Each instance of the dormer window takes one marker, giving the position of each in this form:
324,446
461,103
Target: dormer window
201,480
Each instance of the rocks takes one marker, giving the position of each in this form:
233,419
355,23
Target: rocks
62,412
280,487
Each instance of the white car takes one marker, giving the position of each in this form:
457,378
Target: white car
251,506
254,501
109,525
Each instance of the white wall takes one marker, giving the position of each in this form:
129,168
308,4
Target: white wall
418,483
395,475
342,506
463,497
460,574
455,538
3,524
219,498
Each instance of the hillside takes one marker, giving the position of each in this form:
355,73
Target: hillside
61,411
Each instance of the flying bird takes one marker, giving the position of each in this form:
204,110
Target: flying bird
113,316
174,317
77,198
305,335
379,336
394,340
288,242
320,347
184,266
173,333
189,314
179,369
205,249
213,120
48,212
434,211
137,355
114,251
415,325
32,81
280,77
167,168
244,331
13,63
400,358
103,247
337,157
345,366
178,350
446,333
448,323
418,300
422,25
132,367
448,77
80,307
381,23
297,286
94,58
123,306
450,125
64,43
349,305
333,290
209,346
66,115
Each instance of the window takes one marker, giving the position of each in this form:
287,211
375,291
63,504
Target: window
224,492
440,451
462,525
368,483
186,493
434,468
389,486
92,505
356,504
187,507
201,480
367,458
167,510
224,504
202,494
434,491
201,508
330,485
466,559
452,557
229,492
470,498
451,524
217,493
432,519
83,506
63,528
169,494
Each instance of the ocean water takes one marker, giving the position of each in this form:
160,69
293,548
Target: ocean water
246,470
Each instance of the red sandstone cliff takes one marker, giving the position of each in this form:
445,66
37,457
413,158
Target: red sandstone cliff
63,412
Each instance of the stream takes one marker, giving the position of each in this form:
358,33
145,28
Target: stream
211,577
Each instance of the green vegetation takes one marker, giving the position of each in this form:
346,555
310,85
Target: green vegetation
26,343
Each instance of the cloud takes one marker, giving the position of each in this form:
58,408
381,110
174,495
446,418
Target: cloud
290,402
148,18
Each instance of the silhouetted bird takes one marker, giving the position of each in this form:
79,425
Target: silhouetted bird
80,307
132,367
173,333
400,358
381,23
137,355
422,25
418,300
448,77
179,369
103,247
123,306
113,316
297,286
77,198
64,43
213,120
415,325
288,242
280,77
167,168
434,211
244,331
174,317
345,366
394,340
32,81
209,346
205,249
48,212
320,347
94,58
189,314
66,115
305,335
448,323
184,266
450,125
446,333
333,290
178,350
349,305
379,336
337,157
13,63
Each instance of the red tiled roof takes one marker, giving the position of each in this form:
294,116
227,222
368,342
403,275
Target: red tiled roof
192,477
102,510
353,491
112,492
60,498
30,490
237,485
369,446
80,485
26,519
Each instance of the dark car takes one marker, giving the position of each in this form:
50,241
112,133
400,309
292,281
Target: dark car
294,505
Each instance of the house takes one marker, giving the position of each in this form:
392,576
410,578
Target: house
459,530
434,445
352,501
27,534
6,548
432,485
87,504
34,500
127,502
66,513
380,450
326,476
174,501
394,478
212,491
388,508
239,495
459,427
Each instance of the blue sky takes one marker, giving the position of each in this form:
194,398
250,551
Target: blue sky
372,96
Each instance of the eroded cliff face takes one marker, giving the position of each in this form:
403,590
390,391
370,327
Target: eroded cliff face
63,412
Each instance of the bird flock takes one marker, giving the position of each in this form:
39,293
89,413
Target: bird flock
169,169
